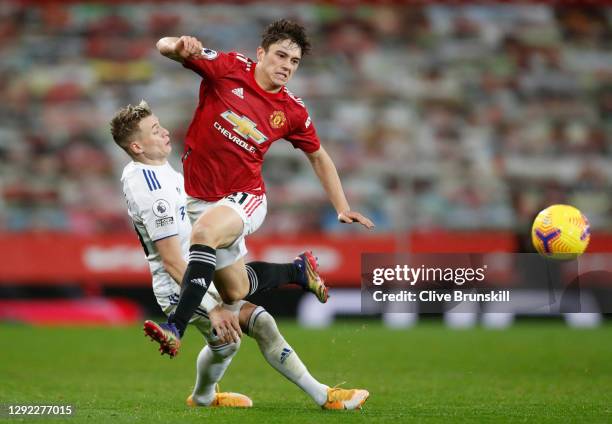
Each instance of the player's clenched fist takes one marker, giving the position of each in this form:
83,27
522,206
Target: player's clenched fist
187,47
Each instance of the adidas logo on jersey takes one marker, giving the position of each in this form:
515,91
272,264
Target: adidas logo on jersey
239,92
199,282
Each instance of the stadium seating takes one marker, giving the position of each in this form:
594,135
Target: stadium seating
456,117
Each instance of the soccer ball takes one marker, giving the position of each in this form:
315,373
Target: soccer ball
560,232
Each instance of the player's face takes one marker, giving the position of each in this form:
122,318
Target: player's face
278,64
154,140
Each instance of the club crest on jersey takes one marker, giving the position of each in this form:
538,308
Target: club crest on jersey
209,54
161,208
277,119
244,127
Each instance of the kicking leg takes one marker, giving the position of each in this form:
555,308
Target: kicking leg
239,280
303,271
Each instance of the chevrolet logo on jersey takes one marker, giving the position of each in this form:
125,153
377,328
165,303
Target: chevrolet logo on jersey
244,127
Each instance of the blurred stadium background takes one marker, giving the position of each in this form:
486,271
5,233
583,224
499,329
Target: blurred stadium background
451,126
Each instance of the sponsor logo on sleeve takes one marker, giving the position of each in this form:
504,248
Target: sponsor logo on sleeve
209,54
161,208
307,123
163,222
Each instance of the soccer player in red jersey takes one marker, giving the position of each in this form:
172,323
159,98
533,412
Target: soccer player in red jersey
244,106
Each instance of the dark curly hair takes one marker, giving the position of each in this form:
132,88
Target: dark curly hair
285,29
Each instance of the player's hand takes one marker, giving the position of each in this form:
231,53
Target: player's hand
225,324
187,47
349,217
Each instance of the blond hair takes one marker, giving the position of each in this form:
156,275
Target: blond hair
124,125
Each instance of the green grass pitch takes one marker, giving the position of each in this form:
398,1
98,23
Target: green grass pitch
534,372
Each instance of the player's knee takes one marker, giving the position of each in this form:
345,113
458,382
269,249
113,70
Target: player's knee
261,325
205,234
246,311
224,350
233,293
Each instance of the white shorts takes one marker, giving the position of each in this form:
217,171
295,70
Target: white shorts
252,210
200,316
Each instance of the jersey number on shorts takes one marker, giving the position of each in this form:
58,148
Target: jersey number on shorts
243,197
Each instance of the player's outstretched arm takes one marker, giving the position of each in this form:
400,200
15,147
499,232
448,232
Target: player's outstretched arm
325,169
179,48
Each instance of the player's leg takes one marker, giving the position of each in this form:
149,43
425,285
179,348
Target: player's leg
217,227
212,362
240,280
232,281
235,280
254,277
225,225
252,211
270,275
260,325
303,271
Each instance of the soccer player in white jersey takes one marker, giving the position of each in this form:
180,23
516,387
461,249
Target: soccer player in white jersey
156,204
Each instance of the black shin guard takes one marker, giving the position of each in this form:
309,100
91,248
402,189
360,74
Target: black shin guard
197,278
265,276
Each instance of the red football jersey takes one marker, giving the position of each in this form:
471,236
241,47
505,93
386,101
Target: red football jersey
234,124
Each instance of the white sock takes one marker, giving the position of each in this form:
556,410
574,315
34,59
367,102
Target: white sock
281,356
211,365
316,390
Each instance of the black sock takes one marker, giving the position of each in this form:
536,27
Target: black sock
197,278
265,276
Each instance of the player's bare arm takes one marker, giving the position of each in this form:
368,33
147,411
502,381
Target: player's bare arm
179,48
169,249
327,173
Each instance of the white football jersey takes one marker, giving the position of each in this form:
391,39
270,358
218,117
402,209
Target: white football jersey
156,203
